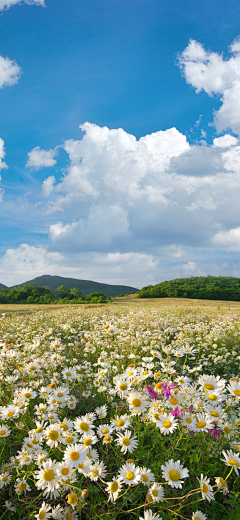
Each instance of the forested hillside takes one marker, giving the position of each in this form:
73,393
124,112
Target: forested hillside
199,287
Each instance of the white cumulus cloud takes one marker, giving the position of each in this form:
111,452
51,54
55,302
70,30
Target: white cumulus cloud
48,185
228,240
39,158
209,71
5,4
10,72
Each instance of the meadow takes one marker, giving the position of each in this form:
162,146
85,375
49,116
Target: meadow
123,411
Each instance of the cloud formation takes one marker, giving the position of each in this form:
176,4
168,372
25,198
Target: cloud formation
39,158
5,4
209,71
10,72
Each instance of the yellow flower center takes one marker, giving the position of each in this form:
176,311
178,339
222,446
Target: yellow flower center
144,477
81,466
130,373
39,430
214,413
157,416
154,492
28,395
84,426
201,424
181,381
72,498
2,432
53,435
64,426
130,461
136,403
149,498
65,471
22,486
107,438
204,487
123,387
209,386
68,374
26,459
233,462
10,414
125,441
226,429
87,442
59,394
69,516
173,400
158,386
212,397
236,392
130,475
222,481
105,431
69,438
174,475
94,472
42,514
120,422
167,424
74,455
114,487
48,475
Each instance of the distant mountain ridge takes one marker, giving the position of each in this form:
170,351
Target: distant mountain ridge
3,286
86,286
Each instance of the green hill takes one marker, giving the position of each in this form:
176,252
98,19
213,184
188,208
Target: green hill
86,286
199,287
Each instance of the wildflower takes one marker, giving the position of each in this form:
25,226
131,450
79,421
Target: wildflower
201,423
166,423
4,431
98,469
9,505
53,435
222,485
157,492
151,392
104,429
72,499
123,439
149,515
231,459
130,474
43,512
69,514
101,411
83,425
47,478
206,489
147,476
120,422
199,516
22,486
173,472
57,512
114,488
136,402
234,389
75,455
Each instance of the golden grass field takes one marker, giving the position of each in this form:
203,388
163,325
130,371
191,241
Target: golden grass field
163,304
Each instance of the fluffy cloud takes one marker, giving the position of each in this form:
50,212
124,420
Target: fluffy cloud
225,141
208,71
2,155
5,4
10,72
38,158
48,185
228,240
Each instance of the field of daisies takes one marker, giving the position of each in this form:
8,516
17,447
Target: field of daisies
120,414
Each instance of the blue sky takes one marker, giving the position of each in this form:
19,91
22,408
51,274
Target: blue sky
153,201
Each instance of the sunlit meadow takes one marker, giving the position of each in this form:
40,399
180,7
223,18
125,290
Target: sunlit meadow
120,413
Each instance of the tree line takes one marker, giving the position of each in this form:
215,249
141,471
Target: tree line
198,287
32,294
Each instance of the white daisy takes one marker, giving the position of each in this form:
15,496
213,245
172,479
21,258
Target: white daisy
43,512
123,439
120,422
74,455
130,474
114,488
157,492
167,423
149,515
234,389
173,472
97,469
199,516
53,435
231,459
206,489
222,485
104,429
137,402
47,478
147,476
4,431
57,512
202,423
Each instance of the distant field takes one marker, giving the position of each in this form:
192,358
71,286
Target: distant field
158,303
